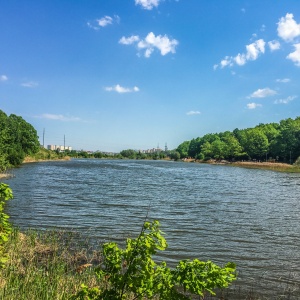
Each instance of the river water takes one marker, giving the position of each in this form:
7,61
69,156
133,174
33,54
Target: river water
210,212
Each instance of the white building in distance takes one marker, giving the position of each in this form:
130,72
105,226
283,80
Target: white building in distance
59,148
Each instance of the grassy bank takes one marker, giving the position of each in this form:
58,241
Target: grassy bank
279,167
45,155
45,266
53,265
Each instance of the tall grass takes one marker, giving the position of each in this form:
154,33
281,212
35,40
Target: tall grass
47,266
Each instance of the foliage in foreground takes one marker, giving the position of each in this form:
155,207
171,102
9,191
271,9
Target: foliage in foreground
131,273
45,266
5,227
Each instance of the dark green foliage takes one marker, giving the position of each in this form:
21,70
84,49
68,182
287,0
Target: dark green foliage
280,141
183,149
17,139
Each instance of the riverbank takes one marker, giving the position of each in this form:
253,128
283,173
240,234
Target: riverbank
272,166
53,265
29,159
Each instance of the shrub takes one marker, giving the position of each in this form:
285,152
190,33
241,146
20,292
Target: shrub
131,273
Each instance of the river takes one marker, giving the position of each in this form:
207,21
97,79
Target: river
211,212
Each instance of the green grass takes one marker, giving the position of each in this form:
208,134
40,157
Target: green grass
47,266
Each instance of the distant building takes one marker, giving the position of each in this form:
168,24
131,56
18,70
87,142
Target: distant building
59,148
153,150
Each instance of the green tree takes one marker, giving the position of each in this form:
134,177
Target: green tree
23,134
287,143
129,153
233,148
218,149
206,150
194,147
174,155
254,142
183,149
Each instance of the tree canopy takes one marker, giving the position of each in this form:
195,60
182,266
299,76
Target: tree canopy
279,141
17,139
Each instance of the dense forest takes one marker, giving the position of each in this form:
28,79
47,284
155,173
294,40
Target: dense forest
265,142
17,139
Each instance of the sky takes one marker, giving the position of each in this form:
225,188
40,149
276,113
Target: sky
137,74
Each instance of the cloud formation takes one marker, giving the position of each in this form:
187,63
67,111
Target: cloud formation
253,51
193,112
286,100
147,4
288,29
103,22
59,118
130,40
284,80
3,78
119,89
274,45
150,43
295,56
29,84
253,105
262,93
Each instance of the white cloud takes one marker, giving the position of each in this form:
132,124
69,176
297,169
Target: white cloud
130,40
103,22
284,80
59,118
286,100
253,105
240,59
147,4
288,29
162,43
3,78
107,20
30,84
274,45
253,51
193,112
295,56
262,93
119,89
227,61
152,42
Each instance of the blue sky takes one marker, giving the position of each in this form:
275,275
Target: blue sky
119,74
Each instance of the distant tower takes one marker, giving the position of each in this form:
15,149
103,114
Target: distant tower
166,147
44,138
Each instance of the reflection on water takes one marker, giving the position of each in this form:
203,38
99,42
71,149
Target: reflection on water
247,216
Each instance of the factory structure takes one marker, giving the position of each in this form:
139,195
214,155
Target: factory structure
59,148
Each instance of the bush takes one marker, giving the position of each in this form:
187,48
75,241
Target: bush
131,273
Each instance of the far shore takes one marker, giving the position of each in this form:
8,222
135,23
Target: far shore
272,166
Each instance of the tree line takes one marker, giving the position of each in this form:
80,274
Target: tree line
17,139
265,142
